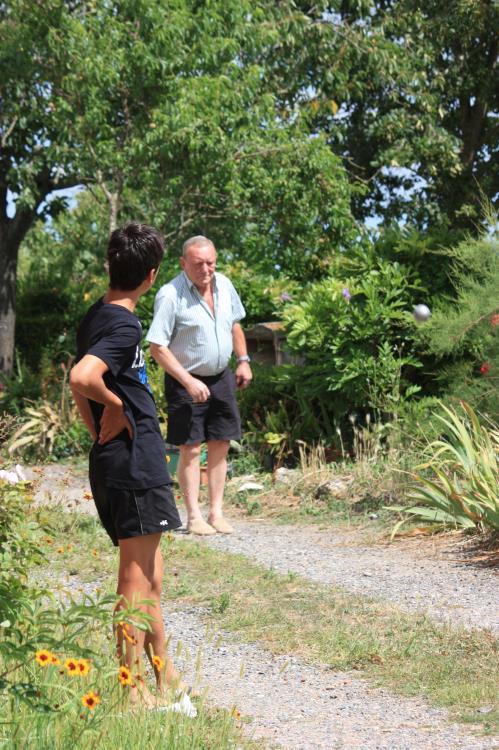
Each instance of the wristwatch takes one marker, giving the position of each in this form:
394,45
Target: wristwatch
243,358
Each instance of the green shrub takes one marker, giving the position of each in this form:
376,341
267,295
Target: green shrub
460,346
357,339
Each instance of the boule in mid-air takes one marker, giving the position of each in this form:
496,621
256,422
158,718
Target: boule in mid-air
421,313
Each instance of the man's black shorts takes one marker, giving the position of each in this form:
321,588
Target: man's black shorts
215,419
127,513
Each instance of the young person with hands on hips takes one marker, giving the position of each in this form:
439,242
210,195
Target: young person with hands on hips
194,332
130,483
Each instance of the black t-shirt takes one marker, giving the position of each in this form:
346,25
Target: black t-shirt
113,334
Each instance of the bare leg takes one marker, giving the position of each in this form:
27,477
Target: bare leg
154,641
188,477
139,578
217,472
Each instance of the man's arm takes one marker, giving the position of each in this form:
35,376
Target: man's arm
244,376
86,380
85,413
196,389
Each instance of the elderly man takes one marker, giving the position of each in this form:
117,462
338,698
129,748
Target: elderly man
193,334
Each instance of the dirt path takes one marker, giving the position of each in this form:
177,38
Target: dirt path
299,706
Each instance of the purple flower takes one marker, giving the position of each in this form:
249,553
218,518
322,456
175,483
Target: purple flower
346,294
285,297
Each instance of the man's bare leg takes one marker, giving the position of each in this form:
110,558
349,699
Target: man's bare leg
188,477
217,472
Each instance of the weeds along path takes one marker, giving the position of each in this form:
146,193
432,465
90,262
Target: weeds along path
285,702
445,587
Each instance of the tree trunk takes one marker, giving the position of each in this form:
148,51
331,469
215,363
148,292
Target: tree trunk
8,265
12,232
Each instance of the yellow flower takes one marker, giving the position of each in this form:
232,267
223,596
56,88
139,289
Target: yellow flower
90,700
72,666
124,630
60,550
236,714
86,296
94,552
44,657
158,663
69,548
55,660
125,676
83,667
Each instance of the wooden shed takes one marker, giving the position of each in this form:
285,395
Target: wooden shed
267,344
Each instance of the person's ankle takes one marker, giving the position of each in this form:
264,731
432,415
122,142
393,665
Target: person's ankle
214,515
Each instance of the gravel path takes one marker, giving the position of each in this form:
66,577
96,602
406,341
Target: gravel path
296,706
450,591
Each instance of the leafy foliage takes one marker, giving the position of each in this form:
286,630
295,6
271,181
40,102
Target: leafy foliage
407,93
46,429
463,337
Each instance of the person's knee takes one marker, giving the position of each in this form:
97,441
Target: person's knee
140,563
190,453
218,448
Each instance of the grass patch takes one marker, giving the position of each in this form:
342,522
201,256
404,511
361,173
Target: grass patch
63,722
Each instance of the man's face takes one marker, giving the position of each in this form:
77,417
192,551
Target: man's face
199,264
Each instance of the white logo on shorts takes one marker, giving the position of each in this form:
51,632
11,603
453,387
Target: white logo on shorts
163,523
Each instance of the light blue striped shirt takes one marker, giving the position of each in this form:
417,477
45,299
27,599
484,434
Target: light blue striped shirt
183,322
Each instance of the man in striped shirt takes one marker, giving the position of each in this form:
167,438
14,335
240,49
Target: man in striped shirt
193,334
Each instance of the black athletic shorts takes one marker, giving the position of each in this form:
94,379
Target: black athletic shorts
126,513
215,419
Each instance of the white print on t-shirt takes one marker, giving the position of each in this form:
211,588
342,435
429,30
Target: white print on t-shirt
139,363
163,523
139,360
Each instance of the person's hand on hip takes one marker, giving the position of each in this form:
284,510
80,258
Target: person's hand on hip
112,422
198,391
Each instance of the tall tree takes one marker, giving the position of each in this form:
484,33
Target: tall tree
408,93
163,108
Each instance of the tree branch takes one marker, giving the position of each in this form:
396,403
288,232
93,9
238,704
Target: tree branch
6,135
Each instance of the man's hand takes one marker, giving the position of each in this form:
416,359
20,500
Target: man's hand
197,390
113,421
244,376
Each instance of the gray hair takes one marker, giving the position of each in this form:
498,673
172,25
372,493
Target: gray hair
199,239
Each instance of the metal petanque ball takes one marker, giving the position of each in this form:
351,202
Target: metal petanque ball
421,313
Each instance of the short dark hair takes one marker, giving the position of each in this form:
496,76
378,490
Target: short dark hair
133,250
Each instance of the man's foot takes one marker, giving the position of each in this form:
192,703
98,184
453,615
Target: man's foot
199,526
221,525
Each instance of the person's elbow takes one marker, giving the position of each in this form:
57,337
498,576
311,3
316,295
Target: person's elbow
156,351
79,378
